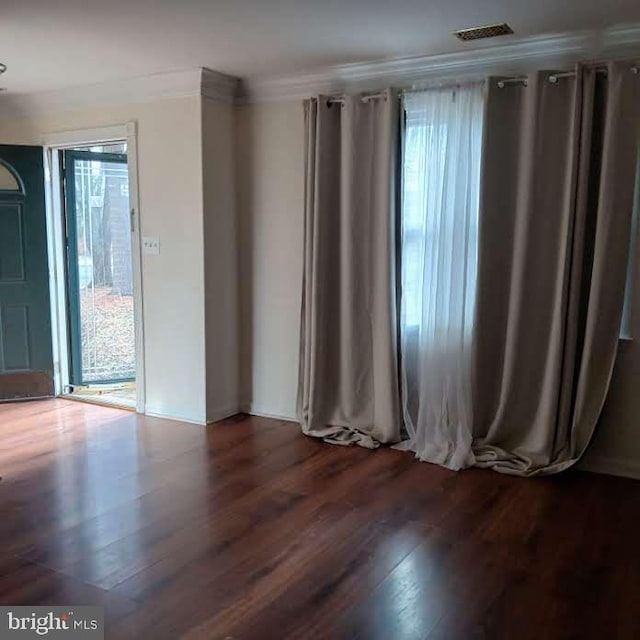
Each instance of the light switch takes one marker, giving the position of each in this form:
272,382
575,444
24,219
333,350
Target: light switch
151,245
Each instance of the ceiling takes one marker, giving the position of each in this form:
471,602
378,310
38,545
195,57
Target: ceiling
51,44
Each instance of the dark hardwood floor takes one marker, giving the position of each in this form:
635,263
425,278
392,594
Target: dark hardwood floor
248,530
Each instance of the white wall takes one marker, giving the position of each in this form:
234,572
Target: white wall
170,186
220,258
270,174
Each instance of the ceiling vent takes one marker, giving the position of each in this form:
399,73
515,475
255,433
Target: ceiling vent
488,31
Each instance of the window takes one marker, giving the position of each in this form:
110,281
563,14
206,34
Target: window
441,186
441,198
8,182
425,143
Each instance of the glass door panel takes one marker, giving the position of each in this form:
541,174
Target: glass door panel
100,283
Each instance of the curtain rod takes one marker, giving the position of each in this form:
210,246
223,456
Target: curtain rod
365,98
401,91
554,77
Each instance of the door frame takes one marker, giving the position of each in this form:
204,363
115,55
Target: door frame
54,144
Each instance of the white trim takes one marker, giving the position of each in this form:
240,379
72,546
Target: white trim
610,466
252,410
57,285
516,56
99,135
166,416
136,263
174,84
52,143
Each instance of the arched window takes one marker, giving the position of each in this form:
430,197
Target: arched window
9,181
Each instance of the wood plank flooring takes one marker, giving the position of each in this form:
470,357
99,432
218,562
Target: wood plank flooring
248,530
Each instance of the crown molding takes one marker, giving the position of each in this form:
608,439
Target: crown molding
158,86
517,56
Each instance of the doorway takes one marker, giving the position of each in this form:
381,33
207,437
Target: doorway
99,274
98,337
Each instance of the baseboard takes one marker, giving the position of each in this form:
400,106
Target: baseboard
167,416
611,466
253,410
221,414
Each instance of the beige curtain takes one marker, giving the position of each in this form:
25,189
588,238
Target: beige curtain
348,391
558,179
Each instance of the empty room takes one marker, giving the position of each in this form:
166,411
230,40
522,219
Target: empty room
320,320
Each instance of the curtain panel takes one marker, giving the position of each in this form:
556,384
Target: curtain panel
559,170
514,255
441,184
348,378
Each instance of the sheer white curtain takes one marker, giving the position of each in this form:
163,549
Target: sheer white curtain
441,183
